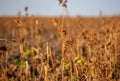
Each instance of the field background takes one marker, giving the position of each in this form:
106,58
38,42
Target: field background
57,49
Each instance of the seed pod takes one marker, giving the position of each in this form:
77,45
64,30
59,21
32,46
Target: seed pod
64,5
26,9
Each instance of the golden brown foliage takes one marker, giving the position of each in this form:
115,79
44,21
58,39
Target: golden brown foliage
39,49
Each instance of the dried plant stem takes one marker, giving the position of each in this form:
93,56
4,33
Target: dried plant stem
63,45
21,48
47,51
46,73
71,73
63,59
31,37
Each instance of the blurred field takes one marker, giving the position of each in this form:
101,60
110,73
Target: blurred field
50,49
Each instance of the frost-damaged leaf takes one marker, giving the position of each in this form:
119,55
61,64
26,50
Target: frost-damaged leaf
79,59
23,64
76,58
68,64
36,57
27,52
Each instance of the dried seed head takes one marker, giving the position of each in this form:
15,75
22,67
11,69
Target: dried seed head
60,1
64,32
19,22
26,9
64,5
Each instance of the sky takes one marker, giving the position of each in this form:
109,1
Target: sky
53,8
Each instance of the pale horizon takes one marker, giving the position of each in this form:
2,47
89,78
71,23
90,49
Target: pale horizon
53,8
